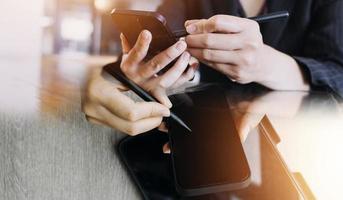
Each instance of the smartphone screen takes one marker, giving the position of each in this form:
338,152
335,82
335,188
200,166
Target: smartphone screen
153,174
210,158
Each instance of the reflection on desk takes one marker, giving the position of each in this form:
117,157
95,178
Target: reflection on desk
309,126
48,150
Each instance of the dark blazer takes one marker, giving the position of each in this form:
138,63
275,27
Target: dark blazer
313,35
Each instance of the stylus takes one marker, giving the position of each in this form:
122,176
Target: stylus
259,19
120,76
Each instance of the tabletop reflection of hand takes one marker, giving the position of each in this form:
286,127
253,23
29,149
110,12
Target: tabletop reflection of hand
248,114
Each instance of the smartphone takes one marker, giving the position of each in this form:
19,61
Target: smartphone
131,23
211,158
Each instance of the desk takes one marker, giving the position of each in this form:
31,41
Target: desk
49,151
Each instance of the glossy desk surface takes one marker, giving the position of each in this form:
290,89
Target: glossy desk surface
49,151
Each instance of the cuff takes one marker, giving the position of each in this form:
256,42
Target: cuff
313,72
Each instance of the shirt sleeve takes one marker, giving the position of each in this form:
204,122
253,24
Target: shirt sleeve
322,55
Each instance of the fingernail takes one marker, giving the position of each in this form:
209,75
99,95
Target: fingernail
195,65
186,55
181,45
145,34
191,29
166,113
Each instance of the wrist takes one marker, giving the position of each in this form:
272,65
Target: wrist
281,71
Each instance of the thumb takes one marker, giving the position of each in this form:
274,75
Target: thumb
161,96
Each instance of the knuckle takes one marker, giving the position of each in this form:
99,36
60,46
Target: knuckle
248,59
153,110
253,44
132,129
132,115
215,21
207,54
170,54
255,25
240,76
156,65
207,41
238,73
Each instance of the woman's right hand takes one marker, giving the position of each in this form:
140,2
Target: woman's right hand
105,104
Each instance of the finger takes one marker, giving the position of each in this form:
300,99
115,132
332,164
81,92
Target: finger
163,127
157,63
194,62
173,74
150,109
96,121
129,127
217,24
192,21
124,44
121,105
166,148
187,76
216,56
215,41
140,50
227,69
161,96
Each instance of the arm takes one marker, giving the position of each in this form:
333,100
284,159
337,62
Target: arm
322,54
234,47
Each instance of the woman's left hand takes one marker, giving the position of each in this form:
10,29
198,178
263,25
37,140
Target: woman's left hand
234,47
229,44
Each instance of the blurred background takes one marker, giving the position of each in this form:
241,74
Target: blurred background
48,46
62,26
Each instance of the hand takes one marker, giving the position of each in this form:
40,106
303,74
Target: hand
231,45
144,73
104,104
275,104
234,47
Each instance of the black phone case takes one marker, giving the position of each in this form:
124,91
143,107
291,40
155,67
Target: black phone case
132,22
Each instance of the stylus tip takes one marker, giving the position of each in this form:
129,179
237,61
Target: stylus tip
186,127
179,121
